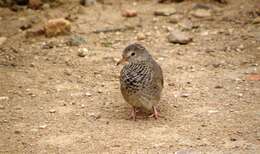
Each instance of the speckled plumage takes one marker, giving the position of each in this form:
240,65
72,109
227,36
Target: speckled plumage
141,79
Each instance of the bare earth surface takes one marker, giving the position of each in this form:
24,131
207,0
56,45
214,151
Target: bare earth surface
54,101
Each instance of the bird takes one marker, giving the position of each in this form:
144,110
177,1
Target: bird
141,80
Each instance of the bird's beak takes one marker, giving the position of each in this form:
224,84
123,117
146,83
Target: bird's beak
123,60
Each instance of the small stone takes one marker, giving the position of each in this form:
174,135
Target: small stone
2,107
256,20
141,36
68,72
213,111
34,130
2,40
177,36
185,95
201,13
83,52
48,45
35,4
99,91
240,94
32,65
186,151
175,18
75,40
17,132
218,87
87,2
56,27
95,115
201,6
165,12
186,24
82,106
4,98
43,126
52,110
171,84
205,33
46,6
88,94
34,32
129,13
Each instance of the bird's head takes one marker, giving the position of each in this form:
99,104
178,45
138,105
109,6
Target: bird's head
134,53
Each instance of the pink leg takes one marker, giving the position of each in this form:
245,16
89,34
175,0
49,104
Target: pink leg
155,113
133,114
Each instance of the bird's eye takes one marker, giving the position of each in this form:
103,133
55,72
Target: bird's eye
132,54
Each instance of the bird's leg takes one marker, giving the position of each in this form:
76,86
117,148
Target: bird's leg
155,113
133,114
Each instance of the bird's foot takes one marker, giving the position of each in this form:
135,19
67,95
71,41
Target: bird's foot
155,113
133,114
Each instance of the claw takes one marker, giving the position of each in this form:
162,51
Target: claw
155,113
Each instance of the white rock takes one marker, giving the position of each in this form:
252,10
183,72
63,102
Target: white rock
52,110
88,94
165,12
42,126
201,13
180,37
213,111
4,98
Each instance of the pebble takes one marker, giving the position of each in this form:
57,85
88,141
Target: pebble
43,126
4,98
218,86
201,13
165,12
87,2
185,95
240,94
2,40
59,26
88,94
83,52
177,36
213,111
68,72
48,45
256,20
75,40
140,36
17,132
95,115
82,106
34,130
46,6
186,151
2,107
186,24
129,13
52,110
35,4
175,18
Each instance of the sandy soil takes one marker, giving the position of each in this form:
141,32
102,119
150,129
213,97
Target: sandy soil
54,101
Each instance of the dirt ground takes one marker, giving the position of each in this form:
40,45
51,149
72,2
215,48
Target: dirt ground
54,101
